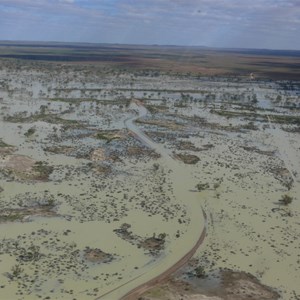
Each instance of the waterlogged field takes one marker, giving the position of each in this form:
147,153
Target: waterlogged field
112,177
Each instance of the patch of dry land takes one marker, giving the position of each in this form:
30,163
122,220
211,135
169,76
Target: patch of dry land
111,180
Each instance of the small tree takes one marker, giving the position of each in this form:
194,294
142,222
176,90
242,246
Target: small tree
254,99
16,271
216,185
286,200
162,236
30,132
155,166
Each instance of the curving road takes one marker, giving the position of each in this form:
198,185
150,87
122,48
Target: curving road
189,242
136,292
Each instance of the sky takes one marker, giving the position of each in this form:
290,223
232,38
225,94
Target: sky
271,24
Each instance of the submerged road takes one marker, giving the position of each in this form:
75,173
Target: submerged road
191,239
285,149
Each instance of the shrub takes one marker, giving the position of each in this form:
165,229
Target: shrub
200,272
16,270
30,132
202,186
286,200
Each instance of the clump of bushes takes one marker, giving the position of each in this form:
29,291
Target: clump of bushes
202,186
30,132
42,169
199,272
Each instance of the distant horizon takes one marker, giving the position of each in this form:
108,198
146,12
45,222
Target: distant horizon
145,44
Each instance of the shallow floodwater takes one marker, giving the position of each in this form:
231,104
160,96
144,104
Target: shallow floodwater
246,231
131,265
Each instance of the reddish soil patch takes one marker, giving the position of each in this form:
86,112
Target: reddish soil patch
187,158
153,244
139,151
97,256
60,149
19,163
22,214
233,286
25,168
98,155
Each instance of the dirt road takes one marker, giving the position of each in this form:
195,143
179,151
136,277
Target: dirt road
181,180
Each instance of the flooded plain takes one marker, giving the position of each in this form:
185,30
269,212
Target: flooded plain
109,178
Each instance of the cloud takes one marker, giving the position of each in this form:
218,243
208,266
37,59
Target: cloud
256,23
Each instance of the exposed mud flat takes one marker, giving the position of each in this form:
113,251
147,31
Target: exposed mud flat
100,193
225,285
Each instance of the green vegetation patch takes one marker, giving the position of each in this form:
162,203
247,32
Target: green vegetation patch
3,144
30,132
48,118
236,114
187,158
203,186
59,149
125,102
42,169
281,119
285,119
153,109
108,136
10,217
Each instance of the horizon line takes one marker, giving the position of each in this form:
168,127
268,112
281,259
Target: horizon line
149,45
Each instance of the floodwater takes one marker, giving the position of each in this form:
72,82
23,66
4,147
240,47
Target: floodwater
132,266
244,232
